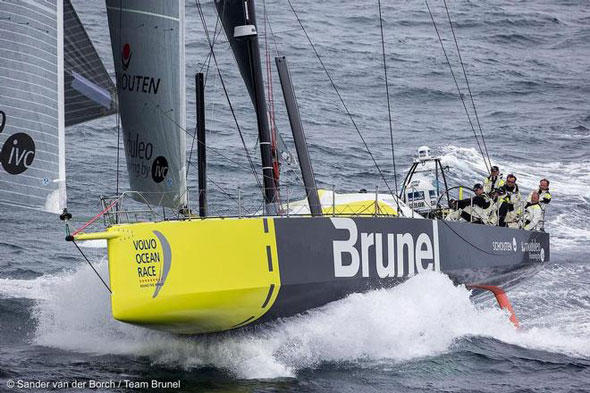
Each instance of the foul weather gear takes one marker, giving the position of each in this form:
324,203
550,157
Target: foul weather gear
491,183
511,205
476,209
533,217
544,197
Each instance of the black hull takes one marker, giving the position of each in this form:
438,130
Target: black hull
468,254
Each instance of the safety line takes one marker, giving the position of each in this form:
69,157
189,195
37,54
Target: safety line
457,86
467,83
87,260
388,104
340,97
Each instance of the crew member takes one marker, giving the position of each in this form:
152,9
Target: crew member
493,181
544,195
544,199
511,203
474,209
533,215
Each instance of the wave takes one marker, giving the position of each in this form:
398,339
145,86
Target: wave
424,317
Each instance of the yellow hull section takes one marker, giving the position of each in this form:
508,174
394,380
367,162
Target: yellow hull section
194,276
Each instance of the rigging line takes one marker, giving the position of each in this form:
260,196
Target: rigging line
388,102
274,38
87,260
252,166
118,107
340,97
271,109
187,132
467,82
465,240
223,191
208,62
457,85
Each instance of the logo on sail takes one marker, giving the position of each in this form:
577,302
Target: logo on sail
126,56
159,169
18,151
136,83
2,121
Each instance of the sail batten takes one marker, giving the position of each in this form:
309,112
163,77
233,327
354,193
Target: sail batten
147,39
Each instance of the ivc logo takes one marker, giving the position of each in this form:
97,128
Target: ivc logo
18,151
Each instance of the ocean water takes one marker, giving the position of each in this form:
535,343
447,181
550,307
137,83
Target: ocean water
529,71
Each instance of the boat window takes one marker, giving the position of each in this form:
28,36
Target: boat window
415,195
432,194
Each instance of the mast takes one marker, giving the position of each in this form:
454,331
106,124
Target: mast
239,21
260,105
299,137
201,144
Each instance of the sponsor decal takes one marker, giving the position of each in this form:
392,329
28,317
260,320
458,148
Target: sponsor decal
139,154
503,246
18,151
153,259
514,243
534,250
395,254
159,169
136,83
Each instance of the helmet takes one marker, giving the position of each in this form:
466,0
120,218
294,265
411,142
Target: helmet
477,186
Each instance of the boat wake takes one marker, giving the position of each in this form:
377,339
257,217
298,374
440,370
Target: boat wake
424,317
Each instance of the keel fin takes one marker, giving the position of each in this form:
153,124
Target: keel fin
501,298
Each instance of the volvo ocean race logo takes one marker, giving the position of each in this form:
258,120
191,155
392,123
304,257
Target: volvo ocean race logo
153,259
403,255
18,151
136,83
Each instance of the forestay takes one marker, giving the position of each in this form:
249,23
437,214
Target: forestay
147,38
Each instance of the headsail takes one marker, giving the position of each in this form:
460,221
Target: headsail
51,77
147,38
89,91
32,170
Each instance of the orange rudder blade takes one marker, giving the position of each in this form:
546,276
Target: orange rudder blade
501,298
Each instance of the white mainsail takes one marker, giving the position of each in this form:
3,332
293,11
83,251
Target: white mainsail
37,99
147,38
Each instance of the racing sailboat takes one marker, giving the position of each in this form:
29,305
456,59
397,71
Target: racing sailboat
190,274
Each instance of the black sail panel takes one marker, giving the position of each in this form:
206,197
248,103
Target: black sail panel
233,14
89,91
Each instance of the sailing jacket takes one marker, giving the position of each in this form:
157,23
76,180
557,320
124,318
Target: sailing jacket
479,200
544,198
533,217
510,196
490,183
